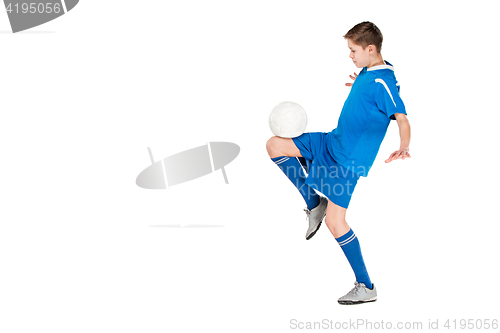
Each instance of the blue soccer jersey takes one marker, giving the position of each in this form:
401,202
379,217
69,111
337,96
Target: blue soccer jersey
365,117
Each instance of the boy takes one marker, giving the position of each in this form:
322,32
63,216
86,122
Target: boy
334,161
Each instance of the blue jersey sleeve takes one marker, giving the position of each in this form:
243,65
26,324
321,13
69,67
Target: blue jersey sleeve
388,99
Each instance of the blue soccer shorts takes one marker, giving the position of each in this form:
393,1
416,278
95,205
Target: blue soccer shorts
324,174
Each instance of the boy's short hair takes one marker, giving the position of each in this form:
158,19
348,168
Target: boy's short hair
364,34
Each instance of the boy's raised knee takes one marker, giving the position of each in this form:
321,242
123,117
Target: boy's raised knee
272,146
277,147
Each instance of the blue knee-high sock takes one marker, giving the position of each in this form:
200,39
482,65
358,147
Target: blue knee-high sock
350,245
294,171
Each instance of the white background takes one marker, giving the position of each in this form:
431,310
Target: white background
83,249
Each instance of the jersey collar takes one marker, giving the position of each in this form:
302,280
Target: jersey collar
386,66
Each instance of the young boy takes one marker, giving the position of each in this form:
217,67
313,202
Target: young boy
334,161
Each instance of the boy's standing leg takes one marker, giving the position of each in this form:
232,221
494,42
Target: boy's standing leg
364,290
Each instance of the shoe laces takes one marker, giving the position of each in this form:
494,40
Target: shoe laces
308,213
356,289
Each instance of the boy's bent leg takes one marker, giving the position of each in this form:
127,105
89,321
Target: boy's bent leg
285,154
348,241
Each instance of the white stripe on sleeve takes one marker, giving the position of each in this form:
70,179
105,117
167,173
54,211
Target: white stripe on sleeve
386,88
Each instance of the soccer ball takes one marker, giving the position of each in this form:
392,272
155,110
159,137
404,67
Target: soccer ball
288,120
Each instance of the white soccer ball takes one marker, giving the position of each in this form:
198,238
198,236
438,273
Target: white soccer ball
288,120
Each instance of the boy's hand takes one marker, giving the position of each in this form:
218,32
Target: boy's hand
352,77
402,153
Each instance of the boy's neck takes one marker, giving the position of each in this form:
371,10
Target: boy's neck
377,62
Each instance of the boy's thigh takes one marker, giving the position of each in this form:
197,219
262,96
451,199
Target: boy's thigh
283,147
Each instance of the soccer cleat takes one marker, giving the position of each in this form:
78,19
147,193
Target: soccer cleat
315,216
359,294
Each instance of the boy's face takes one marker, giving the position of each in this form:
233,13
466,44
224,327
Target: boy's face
360,57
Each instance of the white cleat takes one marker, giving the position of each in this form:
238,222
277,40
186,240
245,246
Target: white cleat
359,294
315,216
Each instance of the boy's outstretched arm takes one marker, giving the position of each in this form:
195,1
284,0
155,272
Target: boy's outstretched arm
404,133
